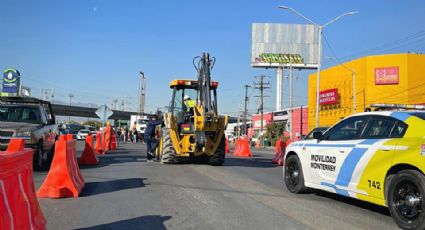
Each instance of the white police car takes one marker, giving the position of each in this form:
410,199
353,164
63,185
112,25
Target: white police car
377,157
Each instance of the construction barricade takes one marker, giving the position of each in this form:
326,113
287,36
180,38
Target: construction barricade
98,148
279,151
88,157
113,142
227,146
19,208
242,148
64,178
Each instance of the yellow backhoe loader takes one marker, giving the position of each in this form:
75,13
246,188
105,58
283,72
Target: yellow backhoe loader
193,129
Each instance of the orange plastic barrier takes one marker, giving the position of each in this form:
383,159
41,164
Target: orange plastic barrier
19,208
227,146
279,150
242,148
98,148
237,145
281,160
69,136
113,142
88,157
64,178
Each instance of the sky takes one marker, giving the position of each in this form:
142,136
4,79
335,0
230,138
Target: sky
95,49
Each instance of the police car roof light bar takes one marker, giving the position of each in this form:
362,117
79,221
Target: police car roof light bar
399,106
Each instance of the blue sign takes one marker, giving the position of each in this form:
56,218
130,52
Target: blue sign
11,81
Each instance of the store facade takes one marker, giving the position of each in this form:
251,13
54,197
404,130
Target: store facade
388,79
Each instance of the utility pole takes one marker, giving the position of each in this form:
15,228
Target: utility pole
261,85
70,103
245,127
115,103
125,103
142,94
291,103
53,96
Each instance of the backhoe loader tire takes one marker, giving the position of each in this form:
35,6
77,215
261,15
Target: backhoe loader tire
168,152
218,158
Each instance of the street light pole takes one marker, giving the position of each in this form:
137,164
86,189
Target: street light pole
319,52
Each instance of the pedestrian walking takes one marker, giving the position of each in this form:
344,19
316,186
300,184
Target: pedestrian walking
122,135
151,141
134,133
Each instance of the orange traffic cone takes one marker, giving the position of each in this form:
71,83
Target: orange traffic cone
227,146
88,157
64,178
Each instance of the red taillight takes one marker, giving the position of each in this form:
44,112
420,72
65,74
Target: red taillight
214,84
180,82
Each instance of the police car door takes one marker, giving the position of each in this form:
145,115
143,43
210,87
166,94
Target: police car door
381,138
335,157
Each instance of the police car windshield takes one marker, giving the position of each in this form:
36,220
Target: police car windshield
418,114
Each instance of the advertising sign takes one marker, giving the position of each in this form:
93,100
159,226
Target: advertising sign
328,97
386,76
11,81
284,45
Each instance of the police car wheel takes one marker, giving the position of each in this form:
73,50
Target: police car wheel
405,199
294,179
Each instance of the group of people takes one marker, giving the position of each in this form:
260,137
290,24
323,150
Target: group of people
128,135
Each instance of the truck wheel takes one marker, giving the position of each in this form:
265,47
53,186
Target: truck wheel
218,158
294,178
405,199
168,153
38,161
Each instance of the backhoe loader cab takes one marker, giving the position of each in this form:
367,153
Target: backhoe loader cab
193,128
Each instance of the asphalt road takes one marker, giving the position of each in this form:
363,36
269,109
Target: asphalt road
126,192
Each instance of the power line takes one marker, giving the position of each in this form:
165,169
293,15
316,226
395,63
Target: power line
386,45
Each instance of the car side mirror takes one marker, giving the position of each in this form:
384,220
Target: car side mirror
318,135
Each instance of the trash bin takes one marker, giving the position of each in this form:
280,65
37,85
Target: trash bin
265,142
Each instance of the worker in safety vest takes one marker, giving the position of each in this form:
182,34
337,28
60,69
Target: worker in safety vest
189,103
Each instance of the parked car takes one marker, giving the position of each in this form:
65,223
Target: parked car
33,120
82,134
376,157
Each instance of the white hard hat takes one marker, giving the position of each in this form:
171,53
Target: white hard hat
186,97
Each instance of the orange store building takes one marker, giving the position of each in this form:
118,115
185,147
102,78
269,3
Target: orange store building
390,79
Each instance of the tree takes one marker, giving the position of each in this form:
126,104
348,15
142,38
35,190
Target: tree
93,123
274,131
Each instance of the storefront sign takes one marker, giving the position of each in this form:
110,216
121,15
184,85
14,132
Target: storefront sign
386,76
280,116
11,81
328,97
